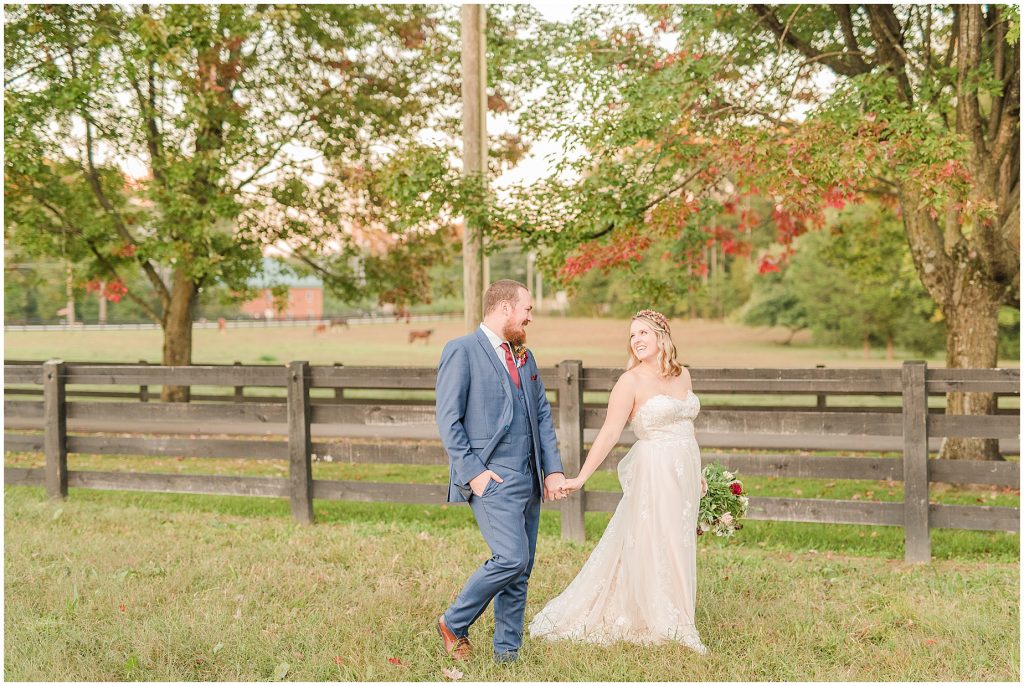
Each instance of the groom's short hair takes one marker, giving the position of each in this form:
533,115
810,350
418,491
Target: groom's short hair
505,289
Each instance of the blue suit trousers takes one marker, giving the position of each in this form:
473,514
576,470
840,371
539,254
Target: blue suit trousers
508,515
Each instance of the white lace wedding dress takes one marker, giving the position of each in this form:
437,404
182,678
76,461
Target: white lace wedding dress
640,583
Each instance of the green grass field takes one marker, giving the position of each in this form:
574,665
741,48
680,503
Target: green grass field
123,586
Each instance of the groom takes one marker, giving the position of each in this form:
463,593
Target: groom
495,424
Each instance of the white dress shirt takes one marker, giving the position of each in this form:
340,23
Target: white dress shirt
498,343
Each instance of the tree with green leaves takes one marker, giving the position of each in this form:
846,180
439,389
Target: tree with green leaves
675,114
181,140
773,303
854,284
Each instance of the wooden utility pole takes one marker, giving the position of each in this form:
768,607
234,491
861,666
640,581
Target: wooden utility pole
69,289
474,152
103,302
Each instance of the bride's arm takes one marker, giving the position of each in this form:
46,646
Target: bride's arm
620,406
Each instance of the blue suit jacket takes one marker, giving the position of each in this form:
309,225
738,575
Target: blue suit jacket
474,410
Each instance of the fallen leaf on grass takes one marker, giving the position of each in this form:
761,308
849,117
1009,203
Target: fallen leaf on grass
452,673
121,607
396,661
338,660
930,641
281,670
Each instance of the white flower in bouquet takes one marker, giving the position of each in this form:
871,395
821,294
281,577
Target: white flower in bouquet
723,504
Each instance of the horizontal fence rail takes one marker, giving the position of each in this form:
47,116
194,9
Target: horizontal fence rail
312,420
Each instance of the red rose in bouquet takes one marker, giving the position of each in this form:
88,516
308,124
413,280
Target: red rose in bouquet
736,488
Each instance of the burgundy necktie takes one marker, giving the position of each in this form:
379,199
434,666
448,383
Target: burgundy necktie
510,363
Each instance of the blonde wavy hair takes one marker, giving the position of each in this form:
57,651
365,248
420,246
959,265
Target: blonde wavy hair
667,363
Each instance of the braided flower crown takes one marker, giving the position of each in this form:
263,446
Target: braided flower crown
656,317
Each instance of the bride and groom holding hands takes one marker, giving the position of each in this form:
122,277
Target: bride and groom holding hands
639,584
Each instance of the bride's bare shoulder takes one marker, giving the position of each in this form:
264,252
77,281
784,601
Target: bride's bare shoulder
628,384
629,379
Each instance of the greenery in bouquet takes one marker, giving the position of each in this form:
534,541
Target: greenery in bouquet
722,503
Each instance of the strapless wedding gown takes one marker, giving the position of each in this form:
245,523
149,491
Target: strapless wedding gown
640,583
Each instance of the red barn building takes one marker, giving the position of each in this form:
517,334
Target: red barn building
305,294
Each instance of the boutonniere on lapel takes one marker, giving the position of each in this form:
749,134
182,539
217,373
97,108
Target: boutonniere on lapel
519,353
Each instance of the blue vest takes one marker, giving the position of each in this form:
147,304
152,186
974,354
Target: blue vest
516,449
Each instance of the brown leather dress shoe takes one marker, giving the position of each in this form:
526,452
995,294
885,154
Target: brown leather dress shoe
455,647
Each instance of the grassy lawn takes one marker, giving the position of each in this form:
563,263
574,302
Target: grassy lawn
873,541
139,586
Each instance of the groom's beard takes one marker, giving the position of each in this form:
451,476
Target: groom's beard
516,335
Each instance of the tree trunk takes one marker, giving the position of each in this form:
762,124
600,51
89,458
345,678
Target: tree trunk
178,332
961,285
972,343
889,348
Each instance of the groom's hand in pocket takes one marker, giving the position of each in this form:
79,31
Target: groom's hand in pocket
480,481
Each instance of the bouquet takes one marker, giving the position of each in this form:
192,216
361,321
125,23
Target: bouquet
722,503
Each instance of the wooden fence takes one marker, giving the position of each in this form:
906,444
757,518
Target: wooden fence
402,431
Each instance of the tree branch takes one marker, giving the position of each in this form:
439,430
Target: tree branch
998,28
655,201
839,64
147,109
270,157
888,34
1008,134
954,36
317,267
100,257
845,17
97,188
968,110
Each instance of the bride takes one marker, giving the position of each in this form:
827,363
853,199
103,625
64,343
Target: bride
640,583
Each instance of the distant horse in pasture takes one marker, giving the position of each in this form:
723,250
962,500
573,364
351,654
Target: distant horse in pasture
424,334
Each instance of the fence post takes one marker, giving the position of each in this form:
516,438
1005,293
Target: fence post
821,396
339,392
917,537
239,390
300,471
55,430
570,444
143,388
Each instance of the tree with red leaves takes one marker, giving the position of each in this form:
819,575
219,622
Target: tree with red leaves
677,113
